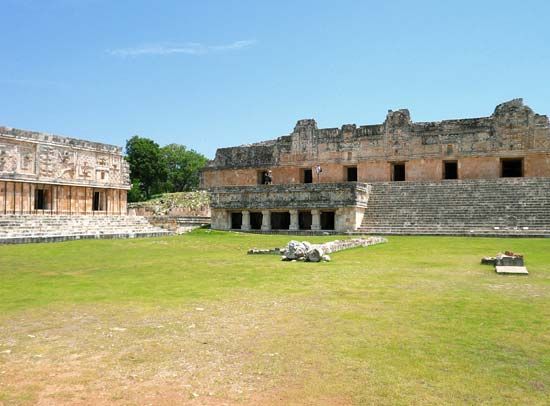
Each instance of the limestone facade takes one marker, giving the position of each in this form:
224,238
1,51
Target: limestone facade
49,174
513,142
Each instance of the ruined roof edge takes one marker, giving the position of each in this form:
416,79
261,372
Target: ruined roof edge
36,136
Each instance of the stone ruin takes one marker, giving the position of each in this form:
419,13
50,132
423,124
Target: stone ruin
507,263
475,176
307,252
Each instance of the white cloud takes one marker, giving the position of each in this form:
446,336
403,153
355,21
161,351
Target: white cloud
190,48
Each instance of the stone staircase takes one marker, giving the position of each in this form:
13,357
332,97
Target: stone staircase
486,207
17,229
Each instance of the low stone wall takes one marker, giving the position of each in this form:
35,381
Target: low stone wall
179,225
181,204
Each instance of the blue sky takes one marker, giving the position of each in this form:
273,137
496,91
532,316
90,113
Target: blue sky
208,74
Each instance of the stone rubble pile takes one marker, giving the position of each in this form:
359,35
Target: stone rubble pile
305,251
265,251
507,259
509,263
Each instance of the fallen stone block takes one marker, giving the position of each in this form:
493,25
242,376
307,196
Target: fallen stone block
305,251
511,270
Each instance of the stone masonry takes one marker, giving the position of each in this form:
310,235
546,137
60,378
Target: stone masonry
340,179
49,174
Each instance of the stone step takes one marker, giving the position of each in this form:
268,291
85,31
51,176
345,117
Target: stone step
459,207
45,228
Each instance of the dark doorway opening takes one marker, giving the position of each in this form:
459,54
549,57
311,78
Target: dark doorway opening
265,177
327,220
511,168
307,176
304,220
97,203
398,172
450,170
236,220
256,220
352,174
280,220
40,199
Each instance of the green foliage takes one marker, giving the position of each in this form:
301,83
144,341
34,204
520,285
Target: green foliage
155,170
183,168
146,164
135,194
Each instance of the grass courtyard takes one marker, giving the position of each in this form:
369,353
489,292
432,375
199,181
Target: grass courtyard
193,319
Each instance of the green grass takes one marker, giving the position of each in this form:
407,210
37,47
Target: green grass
414,321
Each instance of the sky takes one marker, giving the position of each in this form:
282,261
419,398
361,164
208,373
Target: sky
209,74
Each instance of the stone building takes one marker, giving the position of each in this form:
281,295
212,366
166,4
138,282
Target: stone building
55,188
322,179
49,174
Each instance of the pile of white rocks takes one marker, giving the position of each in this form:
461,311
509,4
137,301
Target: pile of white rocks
305,251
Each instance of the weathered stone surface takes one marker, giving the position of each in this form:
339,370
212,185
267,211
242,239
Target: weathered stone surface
462,177
268,251
511,270
513,130
48,174
507,259
315,254
305,251
46,158
20,229
290,196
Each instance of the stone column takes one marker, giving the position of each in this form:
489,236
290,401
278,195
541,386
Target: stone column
266,220
245,226
294,222
315,220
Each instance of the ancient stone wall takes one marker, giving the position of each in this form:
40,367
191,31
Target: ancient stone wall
50,159
477,145
290,196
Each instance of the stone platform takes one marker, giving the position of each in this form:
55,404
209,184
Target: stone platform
511,270
55,228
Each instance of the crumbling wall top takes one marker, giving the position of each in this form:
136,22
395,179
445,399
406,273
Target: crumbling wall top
40,137
306,137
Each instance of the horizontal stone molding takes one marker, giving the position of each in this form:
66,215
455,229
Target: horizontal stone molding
290,196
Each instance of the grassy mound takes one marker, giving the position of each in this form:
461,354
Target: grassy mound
163,203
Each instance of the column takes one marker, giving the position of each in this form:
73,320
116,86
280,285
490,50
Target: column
294,222
315,220
266,220
245,225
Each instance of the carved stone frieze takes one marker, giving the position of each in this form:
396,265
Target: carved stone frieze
35,156
8,158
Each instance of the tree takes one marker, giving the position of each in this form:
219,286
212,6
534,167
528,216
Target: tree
147,166
183,167
135,194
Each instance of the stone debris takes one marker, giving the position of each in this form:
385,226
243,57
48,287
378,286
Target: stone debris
508,263
509,258
511,270
305,251
267,251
